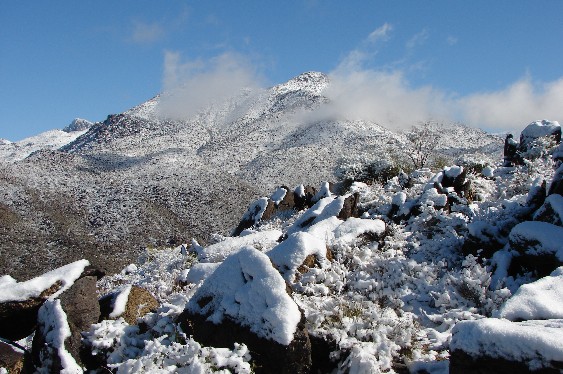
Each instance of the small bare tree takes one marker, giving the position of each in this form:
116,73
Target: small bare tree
422,141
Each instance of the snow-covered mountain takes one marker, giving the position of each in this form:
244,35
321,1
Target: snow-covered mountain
144,178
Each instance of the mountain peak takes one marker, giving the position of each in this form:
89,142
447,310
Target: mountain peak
312,81
78,124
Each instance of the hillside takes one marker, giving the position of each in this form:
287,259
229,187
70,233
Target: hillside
142,178
456,270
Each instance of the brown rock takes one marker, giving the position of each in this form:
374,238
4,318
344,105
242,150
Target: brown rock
350,208
81,306
139,303
12,360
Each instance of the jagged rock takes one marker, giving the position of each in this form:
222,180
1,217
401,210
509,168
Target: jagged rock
456,177
20,301
129,302
551,211
511,156
246,301
18,319
350,208
80,304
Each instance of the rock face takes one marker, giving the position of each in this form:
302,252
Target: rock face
131,303
246,301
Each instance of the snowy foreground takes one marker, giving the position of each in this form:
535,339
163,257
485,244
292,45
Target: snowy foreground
397,289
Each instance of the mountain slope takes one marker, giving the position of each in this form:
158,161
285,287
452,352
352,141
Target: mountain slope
141,178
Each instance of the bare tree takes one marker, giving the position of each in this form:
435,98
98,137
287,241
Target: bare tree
422,141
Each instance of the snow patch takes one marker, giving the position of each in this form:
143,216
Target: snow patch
10,290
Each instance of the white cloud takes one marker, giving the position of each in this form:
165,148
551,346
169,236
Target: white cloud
514,106
191,85
451,40
145,33
417,39
356,58
381,33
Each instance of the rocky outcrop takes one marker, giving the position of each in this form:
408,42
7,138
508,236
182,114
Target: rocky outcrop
246,301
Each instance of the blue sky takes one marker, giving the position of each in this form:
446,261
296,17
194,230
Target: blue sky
492,64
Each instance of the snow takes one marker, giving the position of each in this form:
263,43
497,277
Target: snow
352,228
10,290
256,210
278,195
264,240
200,272
488,171
534,342
56,330
120,301
453,171
247,289
291,253
323,192
542,237
542,299
49,140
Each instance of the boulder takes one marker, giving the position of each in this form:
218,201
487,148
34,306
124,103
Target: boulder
80,304
538,129
538,245
537,194
297,254
246,301
129,302
492,345
556,186
551,211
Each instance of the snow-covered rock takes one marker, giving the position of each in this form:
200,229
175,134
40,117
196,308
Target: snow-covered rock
246,300
551,211
532,344
542,299
538,129
292,253
537,238
262,240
